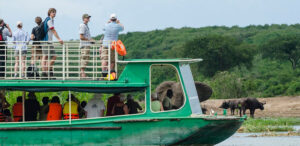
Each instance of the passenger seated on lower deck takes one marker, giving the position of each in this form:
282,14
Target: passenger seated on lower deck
32,107
82,113
75,108
3,105
133,106
120,108
18,110
95,107
44,109
156,105
54,110
111,103
7,115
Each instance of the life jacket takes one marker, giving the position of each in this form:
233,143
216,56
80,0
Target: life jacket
74,110
55,111
2,117
119,46
18,111
112,76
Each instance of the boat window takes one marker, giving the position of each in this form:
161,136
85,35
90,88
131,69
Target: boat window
166,88
67,105
190,88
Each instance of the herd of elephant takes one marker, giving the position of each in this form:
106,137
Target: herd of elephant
204,92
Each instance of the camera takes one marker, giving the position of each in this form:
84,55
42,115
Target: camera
4,25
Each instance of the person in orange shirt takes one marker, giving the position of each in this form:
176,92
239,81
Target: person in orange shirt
18,110
55,109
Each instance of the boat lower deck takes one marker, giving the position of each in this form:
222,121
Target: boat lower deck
141,131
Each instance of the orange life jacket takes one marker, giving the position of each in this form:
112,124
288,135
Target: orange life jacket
119,46
18,111
55,111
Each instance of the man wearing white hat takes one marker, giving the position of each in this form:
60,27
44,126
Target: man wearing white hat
20,38
112,29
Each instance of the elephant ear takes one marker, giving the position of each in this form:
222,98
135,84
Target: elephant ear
162,88
203,90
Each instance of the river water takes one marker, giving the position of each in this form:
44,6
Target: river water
243,139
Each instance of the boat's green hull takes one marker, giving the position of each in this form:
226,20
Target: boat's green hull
200,130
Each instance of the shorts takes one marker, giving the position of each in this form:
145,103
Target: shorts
85,56
36,51
48,50
23,53
104,54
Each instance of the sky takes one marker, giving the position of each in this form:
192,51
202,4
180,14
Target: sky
146,15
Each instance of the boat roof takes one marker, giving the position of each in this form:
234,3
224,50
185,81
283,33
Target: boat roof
176,60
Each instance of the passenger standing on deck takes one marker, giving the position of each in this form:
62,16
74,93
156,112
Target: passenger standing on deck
36,51
5,32
48,48
55,109
112,29
111,103
156,105
85,43
20,39
18,110
44,109
120,108
133,106
32,107
75,108
95,107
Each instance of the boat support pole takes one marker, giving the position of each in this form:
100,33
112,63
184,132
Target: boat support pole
23,106
70,107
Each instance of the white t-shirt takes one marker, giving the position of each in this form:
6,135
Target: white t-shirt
21,37
84,29
94,107
50,24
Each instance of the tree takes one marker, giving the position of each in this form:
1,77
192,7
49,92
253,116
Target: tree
219,53
283,48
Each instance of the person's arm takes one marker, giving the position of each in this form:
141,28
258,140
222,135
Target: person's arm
122,26
32,34
10,32
161,107
56,35
113,111
125,108
102,113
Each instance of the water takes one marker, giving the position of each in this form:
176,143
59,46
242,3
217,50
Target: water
243,139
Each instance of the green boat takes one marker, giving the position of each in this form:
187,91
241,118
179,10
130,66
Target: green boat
186,125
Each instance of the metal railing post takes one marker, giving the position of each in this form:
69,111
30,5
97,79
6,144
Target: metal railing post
63,63
70,114
109,63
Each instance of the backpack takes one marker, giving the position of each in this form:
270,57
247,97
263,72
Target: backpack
1,34
32,72
41,30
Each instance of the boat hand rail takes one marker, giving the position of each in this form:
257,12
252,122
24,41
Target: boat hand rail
71,57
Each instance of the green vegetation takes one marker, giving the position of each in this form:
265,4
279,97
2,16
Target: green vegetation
269,124
256,61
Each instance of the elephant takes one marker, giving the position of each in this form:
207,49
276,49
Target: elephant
203,90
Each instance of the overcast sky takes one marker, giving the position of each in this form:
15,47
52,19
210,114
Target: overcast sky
145,15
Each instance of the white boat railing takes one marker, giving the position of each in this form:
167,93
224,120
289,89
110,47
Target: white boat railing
67,65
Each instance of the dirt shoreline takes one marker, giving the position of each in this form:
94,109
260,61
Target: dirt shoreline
284,106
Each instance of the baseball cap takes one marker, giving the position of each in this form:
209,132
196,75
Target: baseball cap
113,16
19,23
86,16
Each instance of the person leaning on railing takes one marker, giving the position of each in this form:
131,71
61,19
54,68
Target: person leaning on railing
48,48
85,43
5,32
